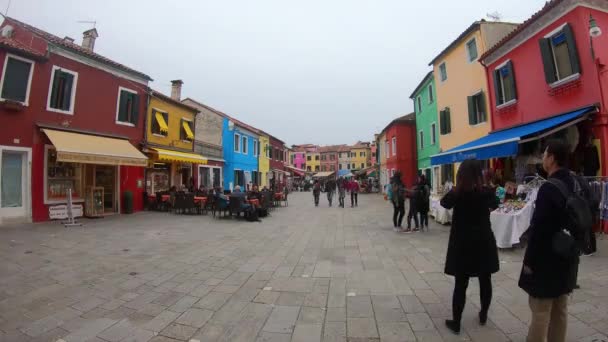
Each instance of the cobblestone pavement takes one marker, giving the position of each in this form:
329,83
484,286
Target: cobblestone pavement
303,274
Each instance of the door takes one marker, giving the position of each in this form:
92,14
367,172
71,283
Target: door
105,176
217,178
13,184
204,177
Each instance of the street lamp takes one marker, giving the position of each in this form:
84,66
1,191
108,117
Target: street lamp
594,30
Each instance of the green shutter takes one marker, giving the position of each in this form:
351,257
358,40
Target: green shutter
471,104
547,59
572,51
135,113
55,90
68,83
448,121
497,88
513,85
122,106
482,104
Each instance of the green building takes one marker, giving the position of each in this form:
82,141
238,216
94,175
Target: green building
427,124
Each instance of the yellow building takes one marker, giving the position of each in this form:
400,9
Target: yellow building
313,161
264,160
462,96
360,155
170,143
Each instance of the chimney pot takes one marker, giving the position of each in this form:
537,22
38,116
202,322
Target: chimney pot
88,39
176,89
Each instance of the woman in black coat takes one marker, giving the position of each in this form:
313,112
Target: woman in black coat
472,247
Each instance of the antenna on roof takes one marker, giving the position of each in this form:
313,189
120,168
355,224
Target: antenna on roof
494,16
7,8
87,22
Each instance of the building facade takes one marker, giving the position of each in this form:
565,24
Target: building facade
344,158
241,150
400,149
329,158
264,161
360,156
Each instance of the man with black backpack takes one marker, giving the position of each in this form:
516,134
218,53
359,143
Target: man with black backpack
556,232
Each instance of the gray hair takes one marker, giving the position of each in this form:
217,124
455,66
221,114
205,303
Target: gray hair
237,188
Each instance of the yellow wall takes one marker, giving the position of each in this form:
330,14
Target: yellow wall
263,161
175,114
312,162
357,160
464,79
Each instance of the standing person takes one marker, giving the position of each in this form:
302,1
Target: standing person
424,193
316,192
341,191
330,188
413,196
472,248
549,277
354,193
398,199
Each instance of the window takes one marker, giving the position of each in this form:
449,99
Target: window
419,104
323,157
362,165
421,139
433,133
394,143
361,154
255,149
339,166
443,72
309,158
445,122
291,159
128,107
559,54
431,96
186,129
317,168
269,151
504,84
239,178
477,109
332,168
354,166
387,152
323,168
447,173
244,146
472,50
348,166
62,91
332,157
317,157
392,172
308,168
59,177
237,142
160,123
17,79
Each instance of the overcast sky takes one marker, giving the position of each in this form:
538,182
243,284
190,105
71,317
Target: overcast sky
314,71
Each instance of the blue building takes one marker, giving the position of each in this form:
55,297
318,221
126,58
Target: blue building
241,147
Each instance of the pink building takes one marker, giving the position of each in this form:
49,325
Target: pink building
298,160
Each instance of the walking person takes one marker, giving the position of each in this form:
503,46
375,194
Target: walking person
424,193
330,188
354,193
316,192
398,199
472,248
412,213
548,275
341,191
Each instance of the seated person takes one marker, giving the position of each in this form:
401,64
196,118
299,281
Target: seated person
202,191
247,208
254,193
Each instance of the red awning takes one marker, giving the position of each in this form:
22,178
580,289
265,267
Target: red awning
296,171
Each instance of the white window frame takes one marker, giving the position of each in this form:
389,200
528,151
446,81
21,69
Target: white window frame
394,145
29,80
561,80
466,46
445,66
245,146
433,133
421,137
431,94
255,148
237,149
72,96
120,89
502,85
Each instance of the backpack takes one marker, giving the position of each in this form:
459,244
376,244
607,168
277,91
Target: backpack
571,239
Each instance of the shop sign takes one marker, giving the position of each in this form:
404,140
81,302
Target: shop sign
60,212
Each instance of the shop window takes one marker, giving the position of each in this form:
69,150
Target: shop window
160,123
317,168
559,55
158,178
433,133
447,173
62,91
17,79
445,122
504,84
431,95
477,109
472,50
443,72
128,107
244,147
62,176
186,130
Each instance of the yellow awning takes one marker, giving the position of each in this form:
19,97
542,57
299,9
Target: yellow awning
174,156
91,149
161,123
188,131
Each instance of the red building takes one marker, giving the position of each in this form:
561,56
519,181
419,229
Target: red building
76,116
402,154
277,161
545,69
329,158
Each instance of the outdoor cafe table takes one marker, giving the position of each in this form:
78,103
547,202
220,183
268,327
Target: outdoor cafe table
200,200
254,202
164,198
278,196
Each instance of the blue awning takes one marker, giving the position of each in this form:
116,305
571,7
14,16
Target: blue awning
505,143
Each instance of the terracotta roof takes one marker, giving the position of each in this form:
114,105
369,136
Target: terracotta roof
236,122
421,84
173,101
75,48
548,6
407,119
14,45
331,148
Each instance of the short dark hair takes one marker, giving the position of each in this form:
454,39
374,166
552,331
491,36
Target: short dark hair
560,151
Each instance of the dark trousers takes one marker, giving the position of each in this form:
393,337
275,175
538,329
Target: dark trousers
398,213
412,213
353,199
424,217
330,197
460,294
316,196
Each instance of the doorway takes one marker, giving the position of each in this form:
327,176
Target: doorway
14,183
104,176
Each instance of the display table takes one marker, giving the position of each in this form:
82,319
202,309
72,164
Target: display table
508,227
439,213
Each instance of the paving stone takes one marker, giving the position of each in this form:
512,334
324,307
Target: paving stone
184,304
336,315
267,297
310,315
195,317
396,332
89,330
317,300
307,333
178,331
291,299
161,321
420,322
213,301
88,304
362,327
118,331
282,319
411,304
49,323
334,331
273,337
359,307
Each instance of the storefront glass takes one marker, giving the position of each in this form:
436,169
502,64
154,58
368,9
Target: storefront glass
62,176
158,178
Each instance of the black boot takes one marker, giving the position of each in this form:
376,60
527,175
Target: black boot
483,318
453,325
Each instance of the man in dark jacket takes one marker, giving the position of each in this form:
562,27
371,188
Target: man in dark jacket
547,277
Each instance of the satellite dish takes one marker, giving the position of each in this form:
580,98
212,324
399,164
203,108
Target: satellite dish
7,31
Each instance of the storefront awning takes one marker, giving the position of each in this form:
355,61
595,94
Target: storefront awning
296,171
92,149
323,174
505,143
175,156
189,134
161,123
342,173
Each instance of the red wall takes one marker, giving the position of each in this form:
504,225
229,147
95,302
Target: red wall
406,159
276,145
533,99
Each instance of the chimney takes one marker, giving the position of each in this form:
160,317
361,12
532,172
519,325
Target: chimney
88,39
176,89
69,39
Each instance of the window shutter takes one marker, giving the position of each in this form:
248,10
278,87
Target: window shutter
55,90
513,84
68,83
448,120
547,58
135,113
482,105
122,106
471,104
499,100
441,122
572,50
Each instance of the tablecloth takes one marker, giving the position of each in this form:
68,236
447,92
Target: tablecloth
509,227
439,213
